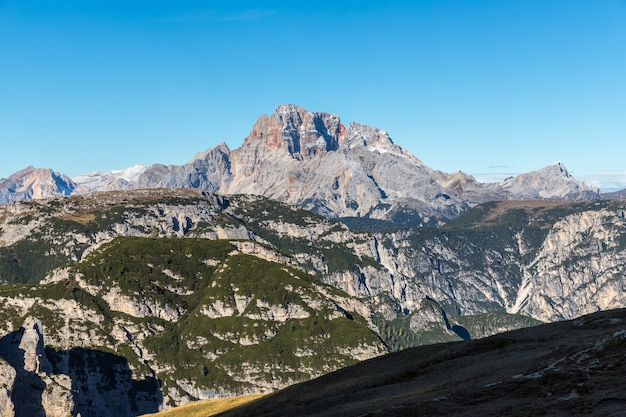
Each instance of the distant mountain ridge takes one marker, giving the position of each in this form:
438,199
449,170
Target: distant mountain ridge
313,161
121,179
35,183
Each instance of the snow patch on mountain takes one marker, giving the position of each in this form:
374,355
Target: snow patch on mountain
112,180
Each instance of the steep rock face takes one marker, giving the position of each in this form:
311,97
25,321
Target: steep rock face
550,261
208,170
579,269
7,380
33,183
35,359
303,135
311,160
32,385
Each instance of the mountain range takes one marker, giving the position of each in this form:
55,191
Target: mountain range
311,160
196,295
311,247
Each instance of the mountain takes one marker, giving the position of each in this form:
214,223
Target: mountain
573,368
35,183
614,194
550,260
122,179
543,250
313,161
232,274
196,295
549,183
186,319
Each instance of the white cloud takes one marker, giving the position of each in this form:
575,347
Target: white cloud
606,181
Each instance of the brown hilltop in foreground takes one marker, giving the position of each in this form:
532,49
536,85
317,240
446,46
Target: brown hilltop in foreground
573,368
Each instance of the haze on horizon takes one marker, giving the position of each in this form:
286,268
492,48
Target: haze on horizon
491,88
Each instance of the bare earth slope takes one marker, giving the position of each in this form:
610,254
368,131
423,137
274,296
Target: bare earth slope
571,368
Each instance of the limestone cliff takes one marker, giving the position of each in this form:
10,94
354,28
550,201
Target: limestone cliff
551,260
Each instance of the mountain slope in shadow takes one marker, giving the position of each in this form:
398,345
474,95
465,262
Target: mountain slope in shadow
560,369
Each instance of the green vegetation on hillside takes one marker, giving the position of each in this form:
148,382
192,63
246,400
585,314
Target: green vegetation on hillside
245,344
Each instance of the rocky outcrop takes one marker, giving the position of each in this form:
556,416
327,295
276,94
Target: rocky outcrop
32,344
30,385
44,382
7,381
579,269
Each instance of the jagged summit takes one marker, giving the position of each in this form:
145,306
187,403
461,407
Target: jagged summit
305,135
302,134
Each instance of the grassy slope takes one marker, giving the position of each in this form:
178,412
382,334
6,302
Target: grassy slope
572,368
205,408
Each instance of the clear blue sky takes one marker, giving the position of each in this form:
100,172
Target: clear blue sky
486,87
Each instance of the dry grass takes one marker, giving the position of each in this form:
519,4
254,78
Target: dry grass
205,408
82,218
537,206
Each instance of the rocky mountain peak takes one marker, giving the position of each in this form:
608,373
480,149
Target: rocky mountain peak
374,140
302,134
552,181
32,344
557,170
35,183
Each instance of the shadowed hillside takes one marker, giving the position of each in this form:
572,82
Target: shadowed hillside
571,368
